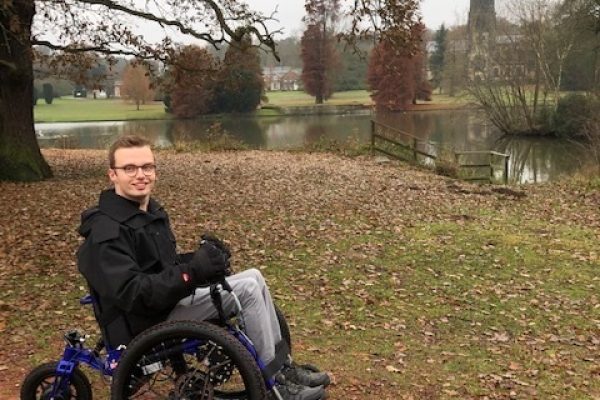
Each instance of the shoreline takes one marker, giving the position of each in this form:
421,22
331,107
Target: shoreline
286,111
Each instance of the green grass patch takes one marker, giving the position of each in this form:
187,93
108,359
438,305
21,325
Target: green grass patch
299,98
70,109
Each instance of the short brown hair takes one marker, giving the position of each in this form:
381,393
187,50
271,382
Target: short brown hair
126,141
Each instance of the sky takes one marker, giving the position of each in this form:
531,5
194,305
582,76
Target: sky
435,12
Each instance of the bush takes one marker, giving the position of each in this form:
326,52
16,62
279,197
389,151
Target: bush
216,138
36,96
572,114
447,168
48,91
167,103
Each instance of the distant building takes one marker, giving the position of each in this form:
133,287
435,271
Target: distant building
282,78
481,31
117,91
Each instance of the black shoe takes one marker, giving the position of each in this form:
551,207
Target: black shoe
305,376
291,391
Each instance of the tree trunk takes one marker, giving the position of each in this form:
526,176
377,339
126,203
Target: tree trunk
20,156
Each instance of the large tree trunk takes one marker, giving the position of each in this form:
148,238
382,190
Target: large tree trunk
20,156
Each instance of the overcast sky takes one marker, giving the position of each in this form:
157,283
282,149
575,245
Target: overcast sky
435,12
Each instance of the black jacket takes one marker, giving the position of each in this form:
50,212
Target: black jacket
130,262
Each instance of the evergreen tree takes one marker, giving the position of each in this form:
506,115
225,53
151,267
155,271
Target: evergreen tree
36,96
436,60
352,74
240,84
48,92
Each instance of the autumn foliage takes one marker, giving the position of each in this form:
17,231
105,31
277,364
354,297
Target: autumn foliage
136,85
197,83
319,59
191,82
397,77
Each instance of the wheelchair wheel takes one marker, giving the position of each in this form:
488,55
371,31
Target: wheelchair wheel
39,382
187,360
284,328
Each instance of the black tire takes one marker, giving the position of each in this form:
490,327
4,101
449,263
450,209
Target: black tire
38,384
284,328
217,365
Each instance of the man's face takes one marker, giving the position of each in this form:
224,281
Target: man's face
138,186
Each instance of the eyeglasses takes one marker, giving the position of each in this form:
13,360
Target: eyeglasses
131,170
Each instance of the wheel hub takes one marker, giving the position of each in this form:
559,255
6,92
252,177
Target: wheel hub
194,385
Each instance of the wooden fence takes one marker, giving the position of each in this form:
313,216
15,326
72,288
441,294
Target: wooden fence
471,165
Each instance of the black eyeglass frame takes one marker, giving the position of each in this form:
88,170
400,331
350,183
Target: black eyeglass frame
131,170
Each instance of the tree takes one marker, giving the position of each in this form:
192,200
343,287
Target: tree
582,67
48,92
319,54
454,73
240,83
423,89
395,75
319,60
136,85
436,60
84,28
190,82
524,96
289,53
352,74
36,96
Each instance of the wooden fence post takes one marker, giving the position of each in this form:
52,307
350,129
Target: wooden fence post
491,167
506,158
372,137
415,144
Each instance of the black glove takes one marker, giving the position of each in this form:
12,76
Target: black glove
209,237
207,265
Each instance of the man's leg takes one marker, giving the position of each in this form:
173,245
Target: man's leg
273,321
262,326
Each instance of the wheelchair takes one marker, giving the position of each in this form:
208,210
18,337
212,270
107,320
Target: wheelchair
185,360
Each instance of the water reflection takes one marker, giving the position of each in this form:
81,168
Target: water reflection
531,159
534,160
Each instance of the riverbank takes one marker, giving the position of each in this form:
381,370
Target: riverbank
69,109
402,284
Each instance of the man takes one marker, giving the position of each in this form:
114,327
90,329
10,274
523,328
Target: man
130,262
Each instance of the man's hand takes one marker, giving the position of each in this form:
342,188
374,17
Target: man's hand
207,264
209,237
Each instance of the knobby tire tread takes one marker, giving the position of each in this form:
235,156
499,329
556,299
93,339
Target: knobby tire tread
78,379
237,352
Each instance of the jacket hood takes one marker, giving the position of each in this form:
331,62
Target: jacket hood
87,218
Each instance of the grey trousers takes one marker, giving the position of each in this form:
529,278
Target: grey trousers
262,326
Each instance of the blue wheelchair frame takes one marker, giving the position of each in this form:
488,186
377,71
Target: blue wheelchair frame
76,353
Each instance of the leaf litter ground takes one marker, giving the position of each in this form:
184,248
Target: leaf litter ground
402,284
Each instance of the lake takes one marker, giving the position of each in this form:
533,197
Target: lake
531,159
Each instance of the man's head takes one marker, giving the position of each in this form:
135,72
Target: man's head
132,169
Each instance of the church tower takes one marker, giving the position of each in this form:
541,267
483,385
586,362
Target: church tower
481,37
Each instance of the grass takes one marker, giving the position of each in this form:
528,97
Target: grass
70,109
399,285
298,98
